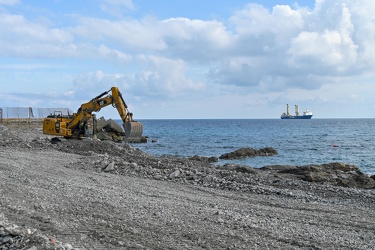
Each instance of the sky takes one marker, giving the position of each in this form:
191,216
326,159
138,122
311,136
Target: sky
191,59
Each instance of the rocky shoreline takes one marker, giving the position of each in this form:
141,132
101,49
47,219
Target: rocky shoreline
92,194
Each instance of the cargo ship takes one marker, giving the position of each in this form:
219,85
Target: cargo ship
306,114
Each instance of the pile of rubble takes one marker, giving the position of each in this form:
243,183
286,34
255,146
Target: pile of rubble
17,237
109,130
121,158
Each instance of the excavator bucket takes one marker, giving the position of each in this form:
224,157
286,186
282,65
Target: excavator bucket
133,131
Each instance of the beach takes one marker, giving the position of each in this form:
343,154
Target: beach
92,194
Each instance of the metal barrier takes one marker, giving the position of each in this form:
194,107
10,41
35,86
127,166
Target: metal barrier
28,114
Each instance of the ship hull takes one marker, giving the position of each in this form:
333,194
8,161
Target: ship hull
296,117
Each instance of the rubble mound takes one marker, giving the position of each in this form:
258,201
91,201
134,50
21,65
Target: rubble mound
123,159
110,130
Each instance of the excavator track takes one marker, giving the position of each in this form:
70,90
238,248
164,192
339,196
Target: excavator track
133,131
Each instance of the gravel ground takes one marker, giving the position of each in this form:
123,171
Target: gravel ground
90,194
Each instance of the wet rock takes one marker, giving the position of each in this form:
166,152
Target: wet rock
204,158
268,151
248,152
339,174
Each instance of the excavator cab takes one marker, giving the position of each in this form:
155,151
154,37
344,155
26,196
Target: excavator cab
56,124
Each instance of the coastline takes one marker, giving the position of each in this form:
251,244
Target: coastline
92,194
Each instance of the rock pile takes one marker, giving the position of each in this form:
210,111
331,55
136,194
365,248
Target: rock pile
16,237
107,156
110,130
123,159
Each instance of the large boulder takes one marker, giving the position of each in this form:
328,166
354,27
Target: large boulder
100,123
339,174
113,126
102,135
248,152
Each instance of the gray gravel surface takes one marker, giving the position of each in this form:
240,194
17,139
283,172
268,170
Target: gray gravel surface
91,194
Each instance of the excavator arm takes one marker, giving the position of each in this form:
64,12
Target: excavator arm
85,111
74,127
133,130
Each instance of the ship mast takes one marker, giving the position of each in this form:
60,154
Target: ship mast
296,109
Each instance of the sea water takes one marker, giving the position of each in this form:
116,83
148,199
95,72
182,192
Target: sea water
298,142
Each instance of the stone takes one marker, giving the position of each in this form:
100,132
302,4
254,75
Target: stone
7,239
248,152
335,173
100,123
175,174
238,168
204,158
110,167
133,164
113,126
158,177
103,164
103,136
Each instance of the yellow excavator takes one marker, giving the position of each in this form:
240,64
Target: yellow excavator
73,126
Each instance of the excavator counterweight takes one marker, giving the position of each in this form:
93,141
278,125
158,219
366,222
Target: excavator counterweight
73,126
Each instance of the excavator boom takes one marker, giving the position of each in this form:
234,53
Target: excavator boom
73,126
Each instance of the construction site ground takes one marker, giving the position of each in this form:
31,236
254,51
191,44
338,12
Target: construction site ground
91,194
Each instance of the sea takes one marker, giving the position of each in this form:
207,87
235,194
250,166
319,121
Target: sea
298,142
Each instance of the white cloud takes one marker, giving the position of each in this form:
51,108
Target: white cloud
328,46
195,40
286,46
117,8
9,2
18,29
126,3
124,34
265,52
91,83
21,37
165,77
325,49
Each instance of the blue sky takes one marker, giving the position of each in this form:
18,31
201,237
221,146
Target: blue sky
191,59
